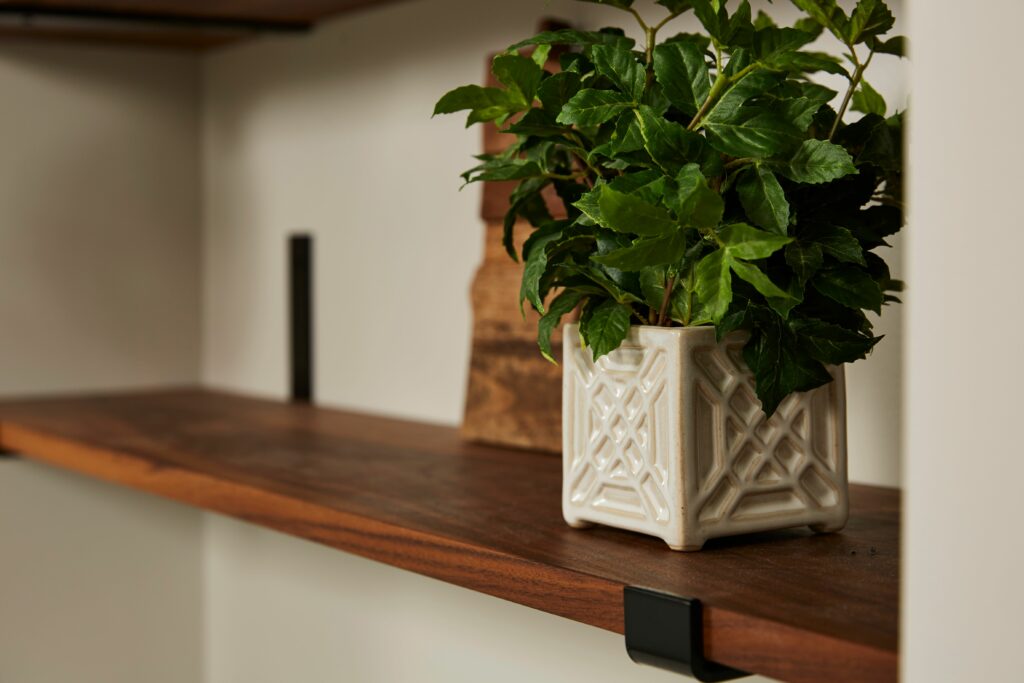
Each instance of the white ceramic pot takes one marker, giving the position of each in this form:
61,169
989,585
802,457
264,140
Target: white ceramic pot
665,436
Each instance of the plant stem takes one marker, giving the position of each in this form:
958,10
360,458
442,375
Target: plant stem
721,82
651,34
639,19
855,80
736,163
564,176
663,311
583,159
667,19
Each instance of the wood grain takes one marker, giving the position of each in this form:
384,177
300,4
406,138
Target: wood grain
788,604
192,24
514,397
297,12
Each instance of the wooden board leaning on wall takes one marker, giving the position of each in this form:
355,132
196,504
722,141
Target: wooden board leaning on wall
515,395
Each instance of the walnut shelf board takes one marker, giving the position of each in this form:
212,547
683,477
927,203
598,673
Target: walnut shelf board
790,605
194,24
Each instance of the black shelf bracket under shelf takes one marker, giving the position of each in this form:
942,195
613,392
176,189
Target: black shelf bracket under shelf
667,631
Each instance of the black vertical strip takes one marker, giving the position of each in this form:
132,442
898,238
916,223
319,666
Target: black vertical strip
301,313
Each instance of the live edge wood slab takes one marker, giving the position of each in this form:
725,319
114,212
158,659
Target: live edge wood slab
790,605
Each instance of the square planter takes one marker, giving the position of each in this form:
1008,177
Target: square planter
665,436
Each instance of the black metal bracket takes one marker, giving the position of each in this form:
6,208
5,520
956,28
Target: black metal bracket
300,314
667,631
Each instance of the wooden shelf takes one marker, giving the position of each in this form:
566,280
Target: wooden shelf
168,23
790,605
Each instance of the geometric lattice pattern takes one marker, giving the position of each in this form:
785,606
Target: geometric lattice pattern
665,436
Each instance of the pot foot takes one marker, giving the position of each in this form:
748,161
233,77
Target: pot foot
579,524
826,528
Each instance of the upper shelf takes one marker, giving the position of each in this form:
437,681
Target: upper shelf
789,604
179,23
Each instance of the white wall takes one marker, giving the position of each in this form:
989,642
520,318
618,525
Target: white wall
99,233
332,133
99,288
964,550
283,609
98,584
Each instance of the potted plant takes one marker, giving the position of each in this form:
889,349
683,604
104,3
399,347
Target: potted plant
722,214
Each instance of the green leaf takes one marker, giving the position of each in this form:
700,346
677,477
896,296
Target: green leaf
627,136
827,13
646,252
554,91
837,242
818,161
676,6
581,277
539,236
540,55
535,268
621,4
606,327
805,258
694,203
588,204
809,25
701,40
878,223
647,185
537,123
485,104
755,83
752,274
762,136
884,147
713,287
868,100
780,365
739,60
620,66
746,242
740,33
682,71
593,107
830,343
504,169
652,285
851,286
712,16
870,18
763,21
897,45
574,37
771,42
808,62
800,111
629,214
763,199
670,145
561,305
526,201
519,74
